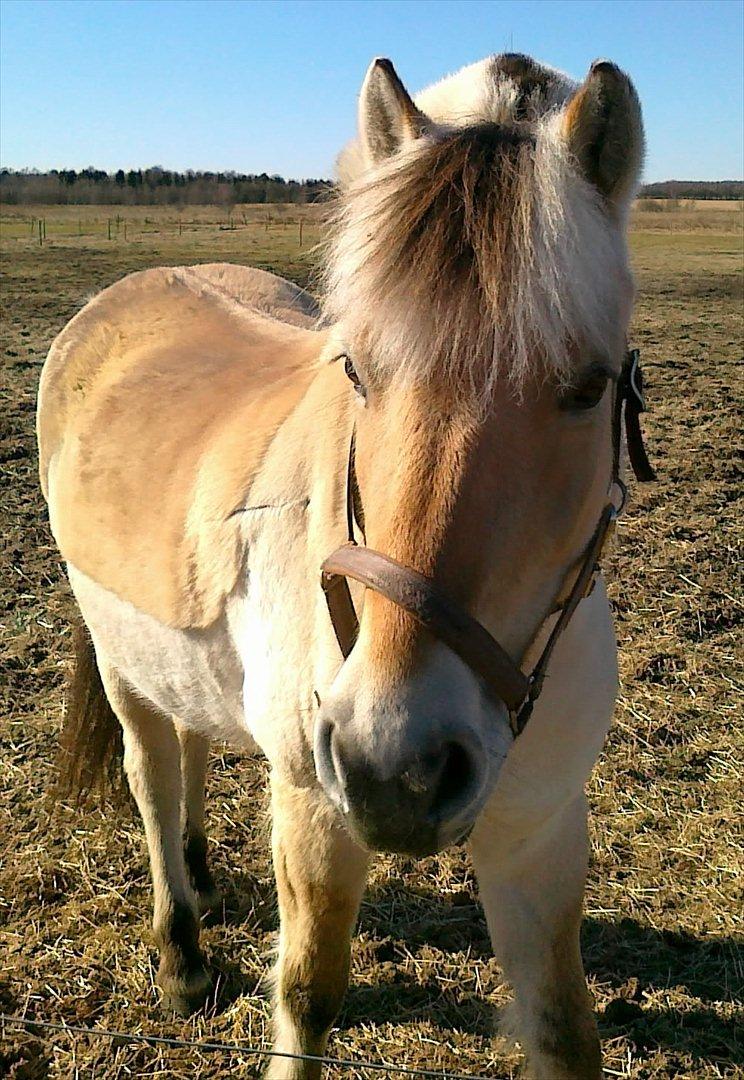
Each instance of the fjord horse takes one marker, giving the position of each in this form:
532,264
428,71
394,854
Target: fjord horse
207,437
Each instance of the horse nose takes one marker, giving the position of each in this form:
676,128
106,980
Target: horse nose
407,804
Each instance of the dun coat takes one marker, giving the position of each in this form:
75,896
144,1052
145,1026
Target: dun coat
194,427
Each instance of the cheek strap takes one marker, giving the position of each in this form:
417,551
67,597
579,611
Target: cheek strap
446,620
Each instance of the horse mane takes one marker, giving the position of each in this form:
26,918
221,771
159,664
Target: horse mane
477,250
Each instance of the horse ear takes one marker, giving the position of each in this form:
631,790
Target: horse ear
387,116
604,130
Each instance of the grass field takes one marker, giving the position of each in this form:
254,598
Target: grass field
663,932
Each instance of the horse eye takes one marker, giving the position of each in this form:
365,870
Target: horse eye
587,395
352,376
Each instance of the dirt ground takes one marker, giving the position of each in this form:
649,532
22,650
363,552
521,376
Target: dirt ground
663,935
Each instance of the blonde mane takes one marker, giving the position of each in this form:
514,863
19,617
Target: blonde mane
478,249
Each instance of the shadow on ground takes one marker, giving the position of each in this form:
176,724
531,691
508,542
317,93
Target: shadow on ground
635,960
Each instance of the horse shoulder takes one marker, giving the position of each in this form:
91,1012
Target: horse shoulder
157,404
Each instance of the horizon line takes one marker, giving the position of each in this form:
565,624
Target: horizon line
35,169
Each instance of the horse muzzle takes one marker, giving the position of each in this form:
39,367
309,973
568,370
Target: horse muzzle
408,798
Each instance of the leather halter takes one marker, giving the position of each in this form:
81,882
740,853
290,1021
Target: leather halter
446,620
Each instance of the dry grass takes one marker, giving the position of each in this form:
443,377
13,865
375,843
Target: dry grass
662,934
688,215
274,228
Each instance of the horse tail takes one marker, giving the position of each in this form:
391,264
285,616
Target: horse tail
91,745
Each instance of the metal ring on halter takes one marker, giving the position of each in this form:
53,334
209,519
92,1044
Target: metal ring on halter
635,378
623,488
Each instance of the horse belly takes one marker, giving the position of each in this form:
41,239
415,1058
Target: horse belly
195,676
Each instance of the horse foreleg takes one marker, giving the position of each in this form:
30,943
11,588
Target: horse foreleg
152,765
194,757
320,876
532,893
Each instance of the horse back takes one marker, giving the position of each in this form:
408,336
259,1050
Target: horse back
156,406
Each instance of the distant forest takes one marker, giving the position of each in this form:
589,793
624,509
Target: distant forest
162,186
694,189
136,187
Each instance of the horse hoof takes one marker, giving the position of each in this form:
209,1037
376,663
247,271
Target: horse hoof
184,996
285,1069
209,901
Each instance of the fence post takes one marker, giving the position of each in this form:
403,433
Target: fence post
109,228
125,231
41,238
44,226
301,224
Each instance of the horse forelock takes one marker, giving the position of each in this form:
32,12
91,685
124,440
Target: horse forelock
479,251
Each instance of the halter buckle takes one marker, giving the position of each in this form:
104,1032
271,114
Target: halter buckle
518,717
592,583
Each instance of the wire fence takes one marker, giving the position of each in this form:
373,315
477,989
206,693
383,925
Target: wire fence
66,229
231,1048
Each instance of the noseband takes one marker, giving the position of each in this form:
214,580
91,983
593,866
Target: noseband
446,620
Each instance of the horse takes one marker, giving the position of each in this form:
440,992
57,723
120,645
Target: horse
441,435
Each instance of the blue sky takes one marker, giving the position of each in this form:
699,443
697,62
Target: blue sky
271,86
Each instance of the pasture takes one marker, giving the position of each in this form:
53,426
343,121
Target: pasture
662,936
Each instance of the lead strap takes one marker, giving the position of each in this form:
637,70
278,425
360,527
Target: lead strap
635,404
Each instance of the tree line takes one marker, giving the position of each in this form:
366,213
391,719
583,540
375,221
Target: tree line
156,185
134,187
694,189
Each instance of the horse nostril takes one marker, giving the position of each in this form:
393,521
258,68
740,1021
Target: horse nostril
400,801
327,764
456,780
338,763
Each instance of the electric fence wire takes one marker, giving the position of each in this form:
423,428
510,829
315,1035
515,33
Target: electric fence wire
232,1048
